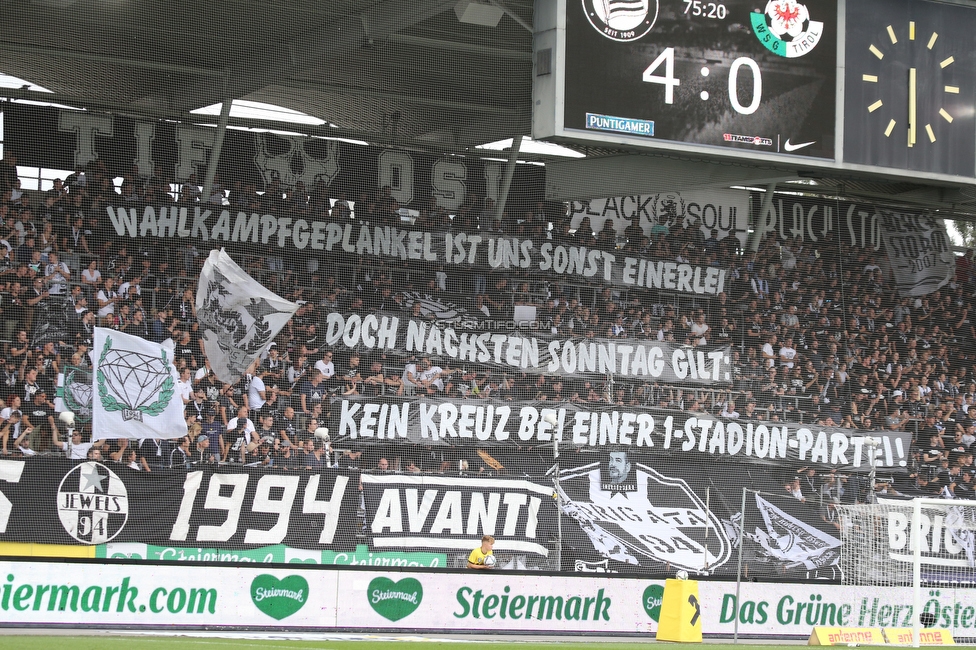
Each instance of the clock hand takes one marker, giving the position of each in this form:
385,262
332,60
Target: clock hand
912,106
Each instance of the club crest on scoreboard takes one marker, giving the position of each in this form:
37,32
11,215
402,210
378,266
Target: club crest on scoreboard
785,28
621,20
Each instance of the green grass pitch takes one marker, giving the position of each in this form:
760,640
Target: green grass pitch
196,643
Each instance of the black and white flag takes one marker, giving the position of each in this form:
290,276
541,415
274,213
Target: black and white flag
239,317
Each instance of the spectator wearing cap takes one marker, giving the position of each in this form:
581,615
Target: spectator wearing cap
258,454
212,429
74,448
273,368
203,453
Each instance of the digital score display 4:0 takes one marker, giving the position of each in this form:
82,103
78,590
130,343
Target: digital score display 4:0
725,74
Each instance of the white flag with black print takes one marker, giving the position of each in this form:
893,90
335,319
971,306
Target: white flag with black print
238,317
134,388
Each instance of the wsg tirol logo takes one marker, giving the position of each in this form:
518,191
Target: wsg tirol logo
93,504
621,20
785,28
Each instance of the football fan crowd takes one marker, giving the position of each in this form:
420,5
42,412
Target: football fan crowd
818,335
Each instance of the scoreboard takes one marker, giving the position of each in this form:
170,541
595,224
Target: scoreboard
884,86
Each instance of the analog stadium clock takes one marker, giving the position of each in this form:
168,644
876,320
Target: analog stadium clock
910,86
923,85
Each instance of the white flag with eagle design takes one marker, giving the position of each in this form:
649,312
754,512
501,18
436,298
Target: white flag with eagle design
238,317
134,388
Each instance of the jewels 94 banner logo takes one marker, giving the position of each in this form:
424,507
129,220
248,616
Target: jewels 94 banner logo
93,504
621,20
786,29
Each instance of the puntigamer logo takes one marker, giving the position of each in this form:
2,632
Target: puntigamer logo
279,598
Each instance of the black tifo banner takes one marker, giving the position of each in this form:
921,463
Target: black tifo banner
220,226
531,353
490,422
619,513
63,139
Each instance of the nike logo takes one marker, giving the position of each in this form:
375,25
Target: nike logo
788,146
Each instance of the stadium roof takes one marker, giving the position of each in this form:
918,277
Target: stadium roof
405,72
410,73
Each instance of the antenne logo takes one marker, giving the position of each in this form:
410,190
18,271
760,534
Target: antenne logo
128,380
93,504
785,28
621,20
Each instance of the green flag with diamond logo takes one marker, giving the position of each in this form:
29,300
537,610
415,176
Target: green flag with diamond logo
134,392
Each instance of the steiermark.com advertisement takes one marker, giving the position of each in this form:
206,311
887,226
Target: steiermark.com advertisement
301,596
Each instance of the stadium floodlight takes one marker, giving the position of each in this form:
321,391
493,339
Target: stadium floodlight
473,12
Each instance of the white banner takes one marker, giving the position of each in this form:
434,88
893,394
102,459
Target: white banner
238,317
135,388
299,596
919,252
726,211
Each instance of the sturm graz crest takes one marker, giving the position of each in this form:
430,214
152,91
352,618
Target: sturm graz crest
132,382
621,20
93,504
661,523
241,330
439,309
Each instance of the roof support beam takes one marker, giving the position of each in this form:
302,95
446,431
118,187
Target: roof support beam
627,175
218,146
507,178
75,55
279,60
455,46
409,99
